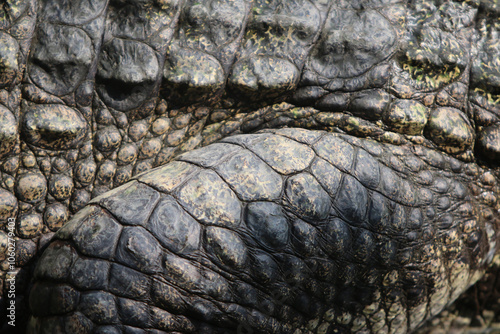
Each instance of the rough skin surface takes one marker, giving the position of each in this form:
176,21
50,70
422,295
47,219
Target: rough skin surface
270,234
374,221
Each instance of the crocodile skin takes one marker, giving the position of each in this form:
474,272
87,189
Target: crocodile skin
292,232
93,93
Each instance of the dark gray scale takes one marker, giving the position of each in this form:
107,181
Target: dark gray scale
251,178
202,198
268,223
351,201
273,150
211,156
387,252
367,170
300,135
246,294
334,102
397,224
60,73
343,153
138,249
169,298
128,283
379,212
99,307
62,64
133,312
264,268
90,274
133,52
370,104
277,39
138,198
199,58
327,175
305,238
97,235
61,297
227,248
63,257
306,197
165,321
74,13
133,330
77,323
408,193
117,59
347,59
174,229
336,238
207,313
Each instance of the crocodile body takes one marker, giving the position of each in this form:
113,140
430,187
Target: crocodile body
374,220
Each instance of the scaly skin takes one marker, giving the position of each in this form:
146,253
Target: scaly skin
92,94
302,232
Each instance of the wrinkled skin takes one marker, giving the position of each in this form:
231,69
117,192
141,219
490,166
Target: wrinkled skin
374,220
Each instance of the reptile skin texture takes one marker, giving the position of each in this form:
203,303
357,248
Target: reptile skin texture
238,166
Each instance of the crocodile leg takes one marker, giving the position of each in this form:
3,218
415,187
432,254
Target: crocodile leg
285,231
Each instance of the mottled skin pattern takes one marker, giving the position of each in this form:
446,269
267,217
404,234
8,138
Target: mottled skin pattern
374,220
